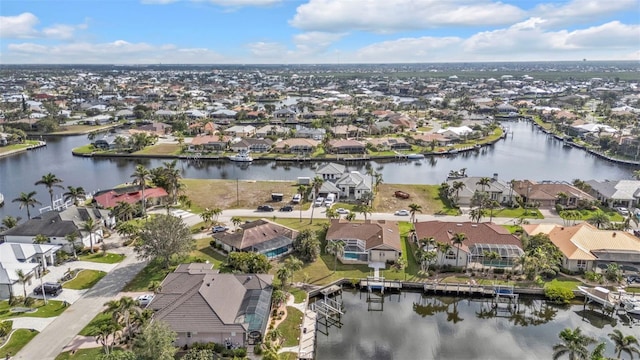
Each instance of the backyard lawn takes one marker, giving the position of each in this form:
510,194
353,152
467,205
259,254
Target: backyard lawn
566,283
203,251
150,273
85,279
290,327
52,308
160,149
19,339
108,258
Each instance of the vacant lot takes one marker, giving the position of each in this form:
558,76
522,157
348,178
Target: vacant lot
160,149
424,195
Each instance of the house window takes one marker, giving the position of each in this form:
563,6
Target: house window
582,264
450,256
189,334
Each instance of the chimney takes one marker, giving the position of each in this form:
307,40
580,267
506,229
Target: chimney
495,176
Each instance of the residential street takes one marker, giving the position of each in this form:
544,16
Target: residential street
50,342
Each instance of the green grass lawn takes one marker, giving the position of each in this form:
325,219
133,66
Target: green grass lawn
160,149
567,283
299,295
85,149
288,356
52,308
13,147
18,340
632,289
108,258
205,252
290,327
150,273
85,279
81,354
513,228
95,323
516,213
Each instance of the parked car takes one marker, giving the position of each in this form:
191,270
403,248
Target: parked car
296,198
402,213
319,201
286,208
219,228
144,300
401,194
622,211
50,289
265,208
342,211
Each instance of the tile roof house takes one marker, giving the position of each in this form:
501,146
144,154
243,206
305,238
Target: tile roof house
344,183
250,144
201,305
371,241
107,199
209,143
25,257
57,224
346,146
296,146
586,247
546,193
260,236
497,190
617,192
480,237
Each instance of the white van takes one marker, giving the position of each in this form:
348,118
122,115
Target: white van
319,201
331,198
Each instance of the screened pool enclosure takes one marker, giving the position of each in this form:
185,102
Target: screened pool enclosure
507,254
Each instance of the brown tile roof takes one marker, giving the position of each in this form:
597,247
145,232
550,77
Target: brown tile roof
195,298
548,191
373,233
254,233
477,233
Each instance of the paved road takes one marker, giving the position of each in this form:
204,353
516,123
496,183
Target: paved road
50,342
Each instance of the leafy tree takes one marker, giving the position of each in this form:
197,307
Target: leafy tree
50,181
248,263
27,200
335,248
123,211
363,209
74,194
162,237
41,239
155,342
613,272
128,229
627,344
574,344
307,246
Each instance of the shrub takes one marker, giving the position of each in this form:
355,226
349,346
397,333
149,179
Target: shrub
558,294
29,301
5,328
257,349
218,348
240,352
212,243
593,276
16,300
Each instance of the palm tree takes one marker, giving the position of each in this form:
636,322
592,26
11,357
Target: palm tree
335,248
476,214
71,238
216,212
206,215
23,279
50,181
363,209
316,184
140,177
331,214
483,182
283,274
599,219
123,312
123,211
456,187
574,344
350,216
236,221
413,209
627,344
9,222
40,239
443,249
90,226
457,240
74,194
27,200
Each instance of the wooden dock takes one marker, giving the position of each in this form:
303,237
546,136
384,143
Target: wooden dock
458,289
380,284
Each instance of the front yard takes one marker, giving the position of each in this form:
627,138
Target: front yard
51,309
19,338
426,196
85,279
108,258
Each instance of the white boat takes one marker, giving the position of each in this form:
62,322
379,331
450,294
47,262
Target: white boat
631,304
242,156
600,295
415,156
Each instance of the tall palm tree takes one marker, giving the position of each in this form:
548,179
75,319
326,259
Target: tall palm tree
140,177
335,248
216,212
574,344
27,200
123,312
627,344
9,222
71,238
599,219
74,194
483,182
363,209
50,181
457,240
23,279
123,211
456,187
413,209
236,221
91,227
316,184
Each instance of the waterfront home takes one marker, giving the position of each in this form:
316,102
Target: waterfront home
210,143
345,131
613,193
480,238
346,184
109,198
311,133
585,247
201,305
29,258
56,225
260,236
547,194
455,133
346,146
250,144
272,130
243,131
330,171
389,143
155,128
496,189
296,146
426,140
370,241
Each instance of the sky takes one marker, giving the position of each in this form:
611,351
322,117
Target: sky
316,31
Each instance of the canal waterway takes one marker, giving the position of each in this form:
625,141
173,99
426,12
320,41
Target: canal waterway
526,153
412,326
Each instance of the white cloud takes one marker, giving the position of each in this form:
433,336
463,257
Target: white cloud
19,26
398,15
116,52
224,3
267,50
421,49
314,42
23,27
580,11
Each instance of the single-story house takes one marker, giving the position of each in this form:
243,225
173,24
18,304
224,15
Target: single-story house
56,225
260,236
455,133
107,199
344,131
29,258
311,133
390,143
209,143
243,131
586,247
427,139
368,242
616,192
480,237
275,130
254,145
548,194
346,146
497,190
296,146
202,305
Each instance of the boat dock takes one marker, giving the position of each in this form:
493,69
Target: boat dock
373,283
40,144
